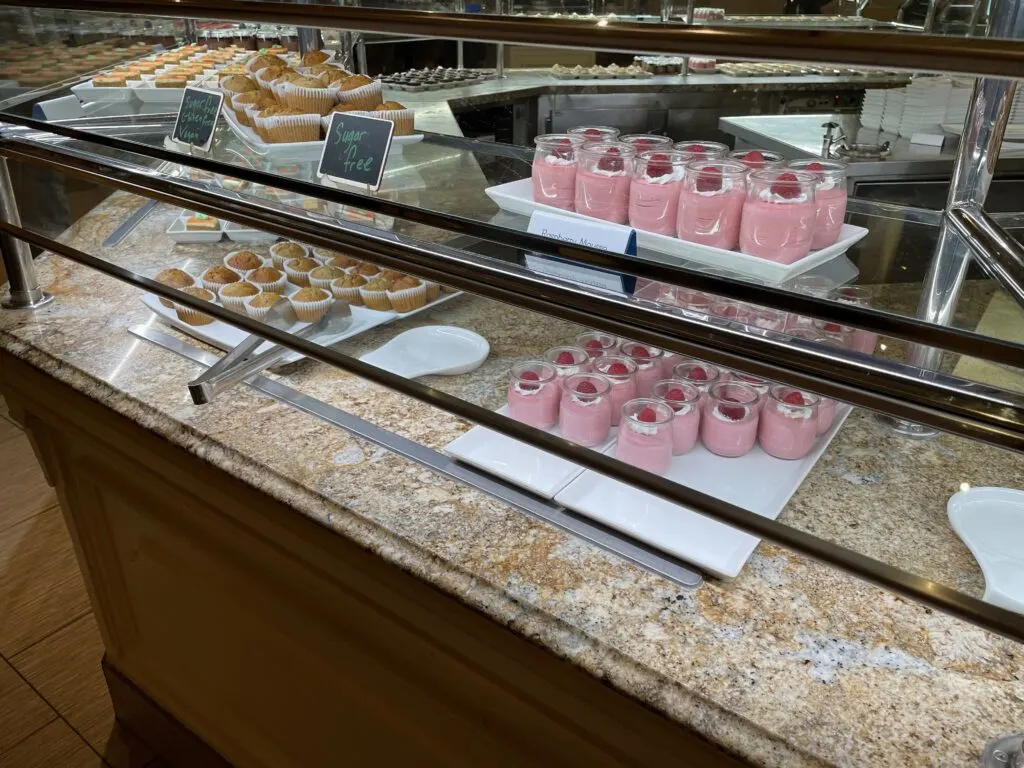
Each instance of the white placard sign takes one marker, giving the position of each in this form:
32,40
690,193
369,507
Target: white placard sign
589,234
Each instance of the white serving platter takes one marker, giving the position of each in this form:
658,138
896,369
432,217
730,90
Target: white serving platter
756,482
88,92
543,473
517,197
179,234
243,235
297,150
147,92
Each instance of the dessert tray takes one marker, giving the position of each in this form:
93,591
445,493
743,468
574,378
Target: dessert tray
611,72
756,482
180,234
517,197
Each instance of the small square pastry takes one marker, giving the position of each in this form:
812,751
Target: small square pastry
109,81
170,81
202,223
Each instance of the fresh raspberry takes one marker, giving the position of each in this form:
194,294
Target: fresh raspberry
617,369
794,398
592,132
593,344
709,179
675,394
697,374
734,412
658,165
610,162
529,376
639,351
586,388
832,327
754,159
786,186
565,358
648,414
697,149
814,167
564,150
642,144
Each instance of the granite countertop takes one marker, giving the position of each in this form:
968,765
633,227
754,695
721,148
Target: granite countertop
790,664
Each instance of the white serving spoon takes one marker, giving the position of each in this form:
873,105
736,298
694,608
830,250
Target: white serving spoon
431,350
991,523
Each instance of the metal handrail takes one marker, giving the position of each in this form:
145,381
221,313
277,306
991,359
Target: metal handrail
915,587
965,55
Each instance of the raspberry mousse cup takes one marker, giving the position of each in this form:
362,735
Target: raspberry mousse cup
711,203
703,150
756,159
597,344
533,393
585,414
621,372
594,133
554,170
826,405
728,424
603,179
645,435
778,215
789,422
684,400
646,142
654,191
648,363
567,361
863,341
841,335
702,375
759,384
829,196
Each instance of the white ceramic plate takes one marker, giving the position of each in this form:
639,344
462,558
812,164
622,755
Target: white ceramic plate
179,234
517,196
991,523
144,90
442,350
243,235
88,92
757,482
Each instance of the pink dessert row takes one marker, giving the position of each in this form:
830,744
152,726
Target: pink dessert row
749,199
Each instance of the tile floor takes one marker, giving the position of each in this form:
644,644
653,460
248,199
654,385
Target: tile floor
54,707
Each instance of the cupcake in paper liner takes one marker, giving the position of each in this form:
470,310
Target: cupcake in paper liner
244,261
243,104
262,61
308,94
194,316
233,296
311,303
360,91
289,249
333,258
433,291
259,305
322,276
327,74
267,279
216,278
397,114
346,288
265,77
407,293
375,295
298,270
288,125
174,278
312,58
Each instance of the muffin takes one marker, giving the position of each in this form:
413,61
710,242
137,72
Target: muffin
312,58
324,255
267,279
433,291
244,105
286,124
233,295
261,62
347,289
308,94
216,278
298,270
361,91
193,316
391,275
321,277
349,109
407,293
345,262
310,304
368,270
398,114
282,252
329,75
243,261
375,294
174,278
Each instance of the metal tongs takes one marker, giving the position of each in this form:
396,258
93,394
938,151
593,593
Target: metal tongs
238,364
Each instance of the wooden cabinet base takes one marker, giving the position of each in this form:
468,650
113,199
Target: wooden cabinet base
281,644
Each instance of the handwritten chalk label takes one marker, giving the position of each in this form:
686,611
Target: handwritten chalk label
197,117
589,233
356,148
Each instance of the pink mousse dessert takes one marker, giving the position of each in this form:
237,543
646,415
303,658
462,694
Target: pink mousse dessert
829,197
684,400
602,181
778,215
554,170
648,363
594,133
645,435
621,372
654,191
728,424
711,203
585,414
597,344
646,142
702,150
533,394
840,335
756,159
759,384
567,361
826,405
863,341
788,423
702,375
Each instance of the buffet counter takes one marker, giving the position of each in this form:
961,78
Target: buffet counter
281,588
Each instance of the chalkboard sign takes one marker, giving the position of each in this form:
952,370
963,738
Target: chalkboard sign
197,117
356,148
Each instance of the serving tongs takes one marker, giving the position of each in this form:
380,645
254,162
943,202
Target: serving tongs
239,364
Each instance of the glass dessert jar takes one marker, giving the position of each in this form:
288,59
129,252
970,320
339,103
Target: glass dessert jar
711,203
648,363
645,435
756,159
728,424
703,150
841,335
654,191
684,400
863,341
621,372
759,384
603,179
789,422
596,343
778,215
533,393
594,133
829,198
585,413
553,175
567,361
645,142
702,375
826,405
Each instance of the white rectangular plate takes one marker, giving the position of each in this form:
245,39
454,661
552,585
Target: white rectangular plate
179,234
516,462
88,92
243,235
299,150
145,91
517,196
757,482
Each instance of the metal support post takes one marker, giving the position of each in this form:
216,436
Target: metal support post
360,45
499,67
310,38
23,282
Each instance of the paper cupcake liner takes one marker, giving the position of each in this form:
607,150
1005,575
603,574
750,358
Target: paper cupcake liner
277,286
408,299
291,128
295,277
256,313
325,121
191,316
319,282
319,100
279,260
311,311
433,291
364,97
349,294
375,299
402,118
235,303
243,272
214,288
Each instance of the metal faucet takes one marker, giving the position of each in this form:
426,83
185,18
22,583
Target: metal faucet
834,144
834,135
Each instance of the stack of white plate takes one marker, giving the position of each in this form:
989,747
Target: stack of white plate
873,107
893,114
958,102
924,105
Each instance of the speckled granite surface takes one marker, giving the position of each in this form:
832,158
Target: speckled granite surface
790,664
